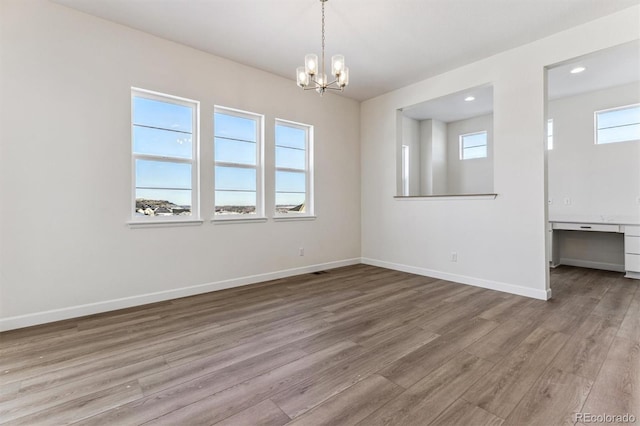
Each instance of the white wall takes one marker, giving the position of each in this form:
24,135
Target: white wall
500,243
473,176
426,156
65,177
601,182
439,157
433,161
411,138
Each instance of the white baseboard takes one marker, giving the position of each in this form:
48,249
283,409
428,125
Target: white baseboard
616,267
478,282
37,318
633,275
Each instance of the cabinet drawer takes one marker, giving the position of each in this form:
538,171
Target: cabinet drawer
631,244
632,262
632,230
599,227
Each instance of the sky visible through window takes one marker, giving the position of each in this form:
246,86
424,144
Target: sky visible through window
618,125
291,145
236,157
165,130
473,145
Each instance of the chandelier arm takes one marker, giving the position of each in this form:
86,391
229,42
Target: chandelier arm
315,83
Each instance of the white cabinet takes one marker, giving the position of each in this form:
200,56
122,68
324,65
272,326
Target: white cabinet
593,227
632,251
592,242
631,244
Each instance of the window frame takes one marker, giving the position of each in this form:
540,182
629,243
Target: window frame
194,161
309,170
259,166
461,144
595,123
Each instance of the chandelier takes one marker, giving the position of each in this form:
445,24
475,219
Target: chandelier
312,77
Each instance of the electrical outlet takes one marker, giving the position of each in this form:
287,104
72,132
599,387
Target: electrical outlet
567,201
301,251
454,256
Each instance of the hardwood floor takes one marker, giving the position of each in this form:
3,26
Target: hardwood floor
358,345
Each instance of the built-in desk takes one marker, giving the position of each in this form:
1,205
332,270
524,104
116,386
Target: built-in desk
599,245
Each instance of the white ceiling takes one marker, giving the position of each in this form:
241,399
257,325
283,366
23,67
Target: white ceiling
453,107
387,44
607,68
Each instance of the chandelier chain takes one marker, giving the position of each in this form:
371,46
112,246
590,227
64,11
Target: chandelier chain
323,39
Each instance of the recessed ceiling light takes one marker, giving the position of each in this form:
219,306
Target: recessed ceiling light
469,98
577,70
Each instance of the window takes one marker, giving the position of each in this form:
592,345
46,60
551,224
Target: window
473,145
238,143
550,133
294,147
618,124
405,170
165,149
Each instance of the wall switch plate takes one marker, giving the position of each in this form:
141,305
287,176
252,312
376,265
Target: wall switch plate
454,256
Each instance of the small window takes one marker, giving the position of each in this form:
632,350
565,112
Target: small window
238,163
618,124
473,145
294,165
405,170
550,134
164,148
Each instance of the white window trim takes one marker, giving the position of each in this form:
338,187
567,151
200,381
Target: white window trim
460,147
259,215
309,213
194,161
595,124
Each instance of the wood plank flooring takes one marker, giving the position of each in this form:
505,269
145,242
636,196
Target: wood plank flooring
358,345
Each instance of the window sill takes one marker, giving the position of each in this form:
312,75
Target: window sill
163,223
229,220
293,218
447,197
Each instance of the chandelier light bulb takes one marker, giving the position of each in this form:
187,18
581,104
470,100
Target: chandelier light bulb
302,76
337,64
343,79
321,83
311,64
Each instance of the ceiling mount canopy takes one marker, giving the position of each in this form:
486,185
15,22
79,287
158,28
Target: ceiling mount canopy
311,76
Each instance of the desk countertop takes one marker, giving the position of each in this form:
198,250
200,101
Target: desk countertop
603,219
